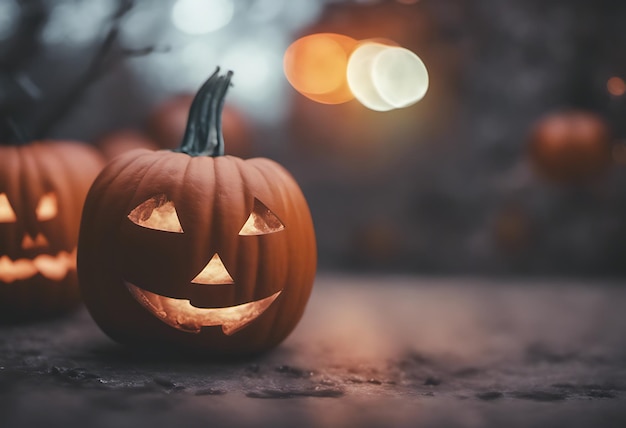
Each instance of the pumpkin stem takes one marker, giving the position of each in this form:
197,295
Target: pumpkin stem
203,135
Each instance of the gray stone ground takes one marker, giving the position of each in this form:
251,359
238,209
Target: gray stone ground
370,351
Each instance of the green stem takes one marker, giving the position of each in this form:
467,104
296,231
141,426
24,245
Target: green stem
203,135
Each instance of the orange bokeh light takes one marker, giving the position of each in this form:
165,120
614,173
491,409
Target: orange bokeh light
315,65
616,86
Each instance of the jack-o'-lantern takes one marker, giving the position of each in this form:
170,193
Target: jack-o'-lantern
42,189
194,249
570,146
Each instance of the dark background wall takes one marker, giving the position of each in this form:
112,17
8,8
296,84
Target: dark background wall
445,186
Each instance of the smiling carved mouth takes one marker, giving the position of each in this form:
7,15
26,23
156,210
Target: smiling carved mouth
54,268
180,314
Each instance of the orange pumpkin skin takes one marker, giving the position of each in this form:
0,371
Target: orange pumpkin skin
213,197
38,244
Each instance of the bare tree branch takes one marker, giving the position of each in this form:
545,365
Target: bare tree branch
108,56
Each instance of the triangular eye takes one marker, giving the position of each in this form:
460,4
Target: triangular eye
47,207
157,213
7,215
261,221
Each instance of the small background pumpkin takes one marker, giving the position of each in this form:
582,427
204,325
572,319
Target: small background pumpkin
42,189
570,146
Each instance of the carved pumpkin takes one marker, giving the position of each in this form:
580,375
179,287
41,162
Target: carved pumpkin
194,248
42,189
570,146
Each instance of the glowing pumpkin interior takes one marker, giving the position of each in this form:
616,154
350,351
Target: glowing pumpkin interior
159,213
53,267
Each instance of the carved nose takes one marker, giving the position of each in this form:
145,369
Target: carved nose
214,273
40,241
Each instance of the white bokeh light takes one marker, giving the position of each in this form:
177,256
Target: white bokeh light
257,79
144,22
252,45
198,59
359,73
383,77
265,10
9,11
202,16
400,77
76,23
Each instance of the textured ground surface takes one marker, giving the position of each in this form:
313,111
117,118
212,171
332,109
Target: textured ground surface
378,351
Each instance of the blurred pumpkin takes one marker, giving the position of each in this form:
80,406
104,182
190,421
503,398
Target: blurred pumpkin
570,146
194,249
42,188
118,142
167,123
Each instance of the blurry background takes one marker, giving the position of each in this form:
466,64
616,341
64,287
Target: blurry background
490,173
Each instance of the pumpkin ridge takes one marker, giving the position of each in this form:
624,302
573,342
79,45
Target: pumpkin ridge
225,173
245,181
197,167
262,165
120,176
140,182
106,179
288,181
183,183
154,161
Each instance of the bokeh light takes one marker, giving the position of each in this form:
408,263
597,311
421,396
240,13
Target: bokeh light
315,65
384,77
76,23
400,76
9,12
146,21
256,63
616,86
202,16
332,69
360,69
265,10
